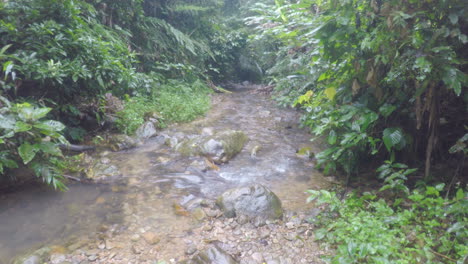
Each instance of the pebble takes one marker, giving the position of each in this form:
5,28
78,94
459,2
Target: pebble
289,236
135,237
298,243
57,258
257,257
92,258
191,250
151,238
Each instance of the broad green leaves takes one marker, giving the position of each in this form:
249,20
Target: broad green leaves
28,139
393,137
27,152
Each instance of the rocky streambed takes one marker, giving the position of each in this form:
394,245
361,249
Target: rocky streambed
226,188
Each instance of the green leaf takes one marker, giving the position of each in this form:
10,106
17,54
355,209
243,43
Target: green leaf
27,112
27,152
330,92
22,127
460,195
456,227
332,137
387,109
392,136
320,233
49,148
453,18
50,125
7,122
9,163
440,186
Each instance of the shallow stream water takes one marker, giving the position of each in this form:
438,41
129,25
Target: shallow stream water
153,178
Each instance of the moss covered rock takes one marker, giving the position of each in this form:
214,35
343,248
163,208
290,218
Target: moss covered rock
220,147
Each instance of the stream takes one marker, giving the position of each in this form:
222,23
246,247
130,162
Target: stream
149,212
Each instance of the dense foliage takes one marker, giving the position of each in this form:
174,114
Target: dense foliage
78,58
422,228
381,83
382,78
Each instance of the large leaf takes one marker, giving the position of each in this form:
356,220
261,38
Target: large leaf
22,127
330,92
49,148
28,112
27,152
332,137
50,125
7,122
392,136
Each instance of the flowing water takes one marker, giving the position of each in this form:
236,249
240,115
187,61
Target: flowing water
153,178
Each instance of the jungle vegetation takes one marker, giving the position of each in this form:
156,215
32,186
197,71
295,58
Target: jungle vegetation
381,84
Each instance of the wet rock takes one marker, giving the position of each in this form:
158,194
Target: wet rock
145,131
199,214
207,131
213,255
57,258
191,250
264,114
299,243
219,148
101,171
135,237
29,260
257,257
254,202
151,238
122,142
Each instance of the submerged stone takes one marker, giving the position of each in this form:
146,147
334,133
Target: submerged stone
219,148
122,142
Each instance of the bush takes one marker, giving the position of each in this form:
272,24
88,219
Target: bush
28,139
422,228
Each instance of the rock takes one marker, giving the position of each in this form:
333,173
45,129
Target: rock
257,257
135,237
219,148
191,250
213,255
122,142
264,114
255,202
145,131
57,258
207,131
29,260
100,171
198,214
151,238
299,243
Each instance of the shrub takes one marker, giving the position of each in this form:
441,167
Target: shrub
27,138
422,228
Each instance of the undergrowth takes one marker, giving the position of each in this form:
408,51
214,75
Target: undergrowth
175,101
423,227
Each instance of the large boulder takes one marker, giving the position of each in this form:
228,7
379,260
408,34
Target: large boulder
213,255
145,131
220,147
254,201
